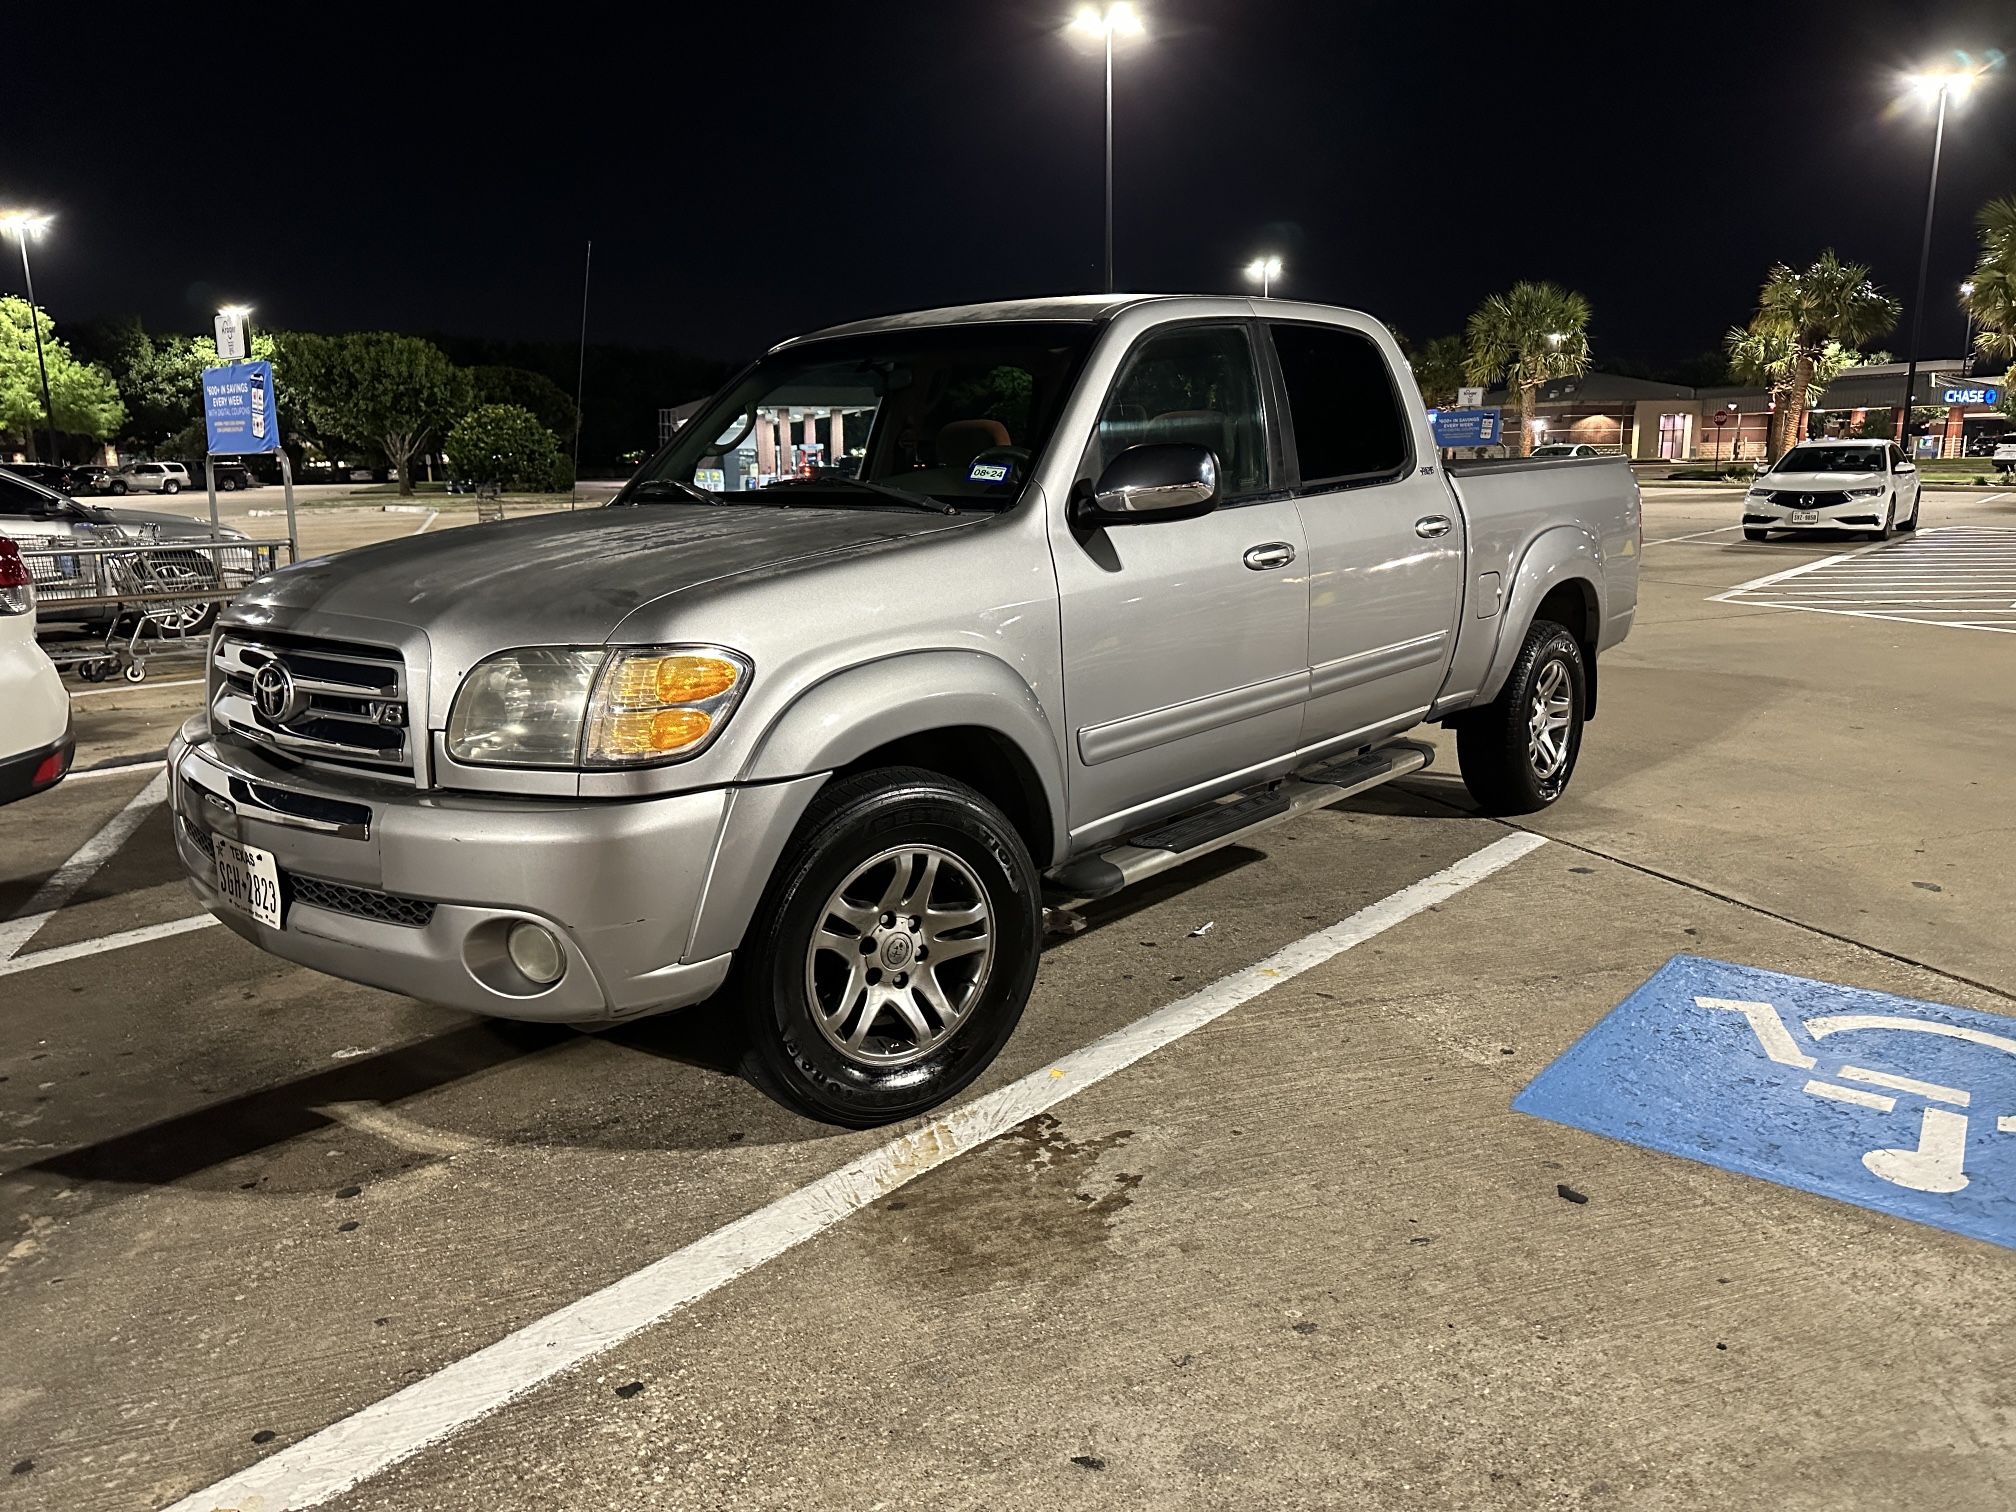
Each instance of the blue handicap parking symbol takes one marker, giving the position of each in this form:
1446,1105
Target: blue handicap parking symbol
1886,1102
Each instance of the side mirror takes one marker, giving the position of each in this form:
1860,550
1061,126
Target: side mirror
1904,467
1167,480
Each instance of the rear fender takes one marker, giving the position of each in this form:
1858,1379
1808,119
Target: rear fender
1562,554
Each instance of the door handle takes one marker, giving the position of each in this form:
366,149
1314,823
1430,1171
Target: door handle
1271,554
1428,527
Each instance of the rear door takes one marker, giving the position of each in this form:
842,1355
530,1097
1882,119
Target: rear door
1385,538
1185,641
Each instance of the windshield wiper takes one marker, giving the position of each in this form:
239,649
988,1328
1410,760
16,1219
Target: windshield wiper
659,488
926,503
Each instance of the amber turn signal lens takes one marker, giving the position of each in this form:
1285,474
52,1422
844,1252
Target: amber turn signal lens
655,734
646,681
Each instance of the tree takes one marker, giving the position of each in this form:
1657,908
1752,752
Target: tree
1438,370
548,402
84,398
394,391
1993,300
1763,353
1827,302
1534,333
160,380
505,444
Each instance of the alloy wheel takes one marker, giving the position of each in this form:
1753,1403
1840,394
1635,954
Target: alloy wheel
1547,725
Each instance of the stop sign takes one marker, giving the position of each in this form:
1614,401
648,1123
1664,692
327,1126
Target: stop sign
1725,416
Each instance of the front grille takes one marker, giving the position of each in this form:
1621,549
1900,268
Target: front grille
1787,498
361,902
326,702
200,838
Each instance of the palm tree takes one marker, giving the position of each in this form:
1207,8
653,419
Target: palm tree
1527,336
1993,299
1830,301
1762,353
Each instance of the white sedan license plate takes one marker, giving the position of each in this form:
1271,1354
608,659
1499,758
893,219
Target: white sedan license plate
249,880
1804,516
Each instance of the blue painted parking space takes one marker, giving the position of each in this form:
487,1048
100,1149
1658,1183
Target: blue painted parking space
1890,1103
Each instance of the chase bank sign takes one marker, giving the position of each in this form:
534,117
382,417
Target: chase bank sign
1959,394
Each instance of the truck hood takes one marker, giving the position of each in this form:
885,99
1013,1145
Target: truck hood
566,579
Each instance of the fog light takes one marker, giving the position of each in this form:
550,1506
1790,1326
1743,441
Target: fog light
534,951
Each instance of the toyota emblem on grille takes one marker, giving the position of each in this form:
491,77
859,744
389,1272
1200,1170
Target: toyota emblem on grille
274,691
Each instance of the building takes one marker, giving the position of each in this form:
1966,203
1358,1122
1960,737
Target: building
1651,421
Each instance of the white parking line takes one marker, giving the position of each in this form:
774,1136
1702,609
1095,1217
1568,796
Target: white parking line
1718,530
1959,576
124,769
428,521
120,941
338,1457
79,869
139,687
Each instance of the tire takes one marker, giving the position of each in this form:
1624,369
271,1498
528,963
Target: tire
171,487
1917,500
192,572
228,485
818,949
1751,533
118,486
1497,747
1889,526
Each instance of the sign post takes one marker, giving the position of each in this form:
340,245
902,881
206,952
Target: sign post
1722,417
239,420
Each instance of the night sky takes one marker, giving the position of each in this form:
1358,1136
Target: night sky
750,171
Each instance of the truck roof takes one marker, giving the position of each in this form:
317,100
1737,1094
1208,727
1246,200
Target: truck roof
1088,308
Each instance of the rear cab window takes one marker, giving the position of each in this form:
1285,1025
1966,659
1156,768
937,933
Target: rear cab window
1346,427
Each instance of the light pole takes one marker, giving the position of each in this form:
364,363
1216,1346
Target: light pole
1119,16
1938,90
1967,352
25,226
1263,271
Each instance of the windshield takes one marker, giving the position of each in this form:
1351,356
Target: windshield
954,415
1831,459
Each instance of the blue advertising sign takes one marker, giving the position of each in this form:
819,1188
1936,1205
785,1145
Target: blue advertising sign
1970,396
1889,1103
1465,427
238,409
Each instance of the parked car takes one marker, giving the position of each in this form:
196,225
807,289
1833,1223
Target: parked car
36,745
232,476
149,477
87,479
1119,581
1835,485
60,476
2005,457
1565,449
40,518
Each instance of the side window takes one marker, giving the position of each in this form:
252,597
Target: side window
1342,404
18,499
1196,384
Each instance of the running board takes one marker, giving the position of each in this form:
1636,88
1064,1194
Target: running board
1227,820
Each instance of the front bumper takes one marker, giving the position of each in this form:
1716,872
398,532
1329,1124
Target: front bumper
414,891
1855,514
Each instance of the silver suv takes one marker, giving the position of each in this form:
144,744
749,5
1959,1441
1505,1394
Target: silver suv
149,477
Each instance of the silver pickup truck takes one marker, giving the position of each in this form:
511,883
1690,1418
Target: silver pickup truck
920,626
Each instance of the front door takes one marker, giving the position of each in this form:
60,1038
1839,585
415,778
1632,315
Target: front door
1185,641
1385,536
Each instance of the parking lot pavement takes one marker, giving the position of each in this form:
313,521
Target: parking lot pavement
243,1201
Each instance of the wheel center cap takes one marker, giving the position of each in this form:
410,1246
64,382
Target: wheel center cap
897,951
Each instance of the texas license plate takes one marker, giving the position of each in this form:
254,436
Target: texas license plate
249,880
1803,517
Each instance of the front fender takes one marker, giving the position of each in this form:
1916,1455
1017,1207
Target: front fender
1560,554
845,716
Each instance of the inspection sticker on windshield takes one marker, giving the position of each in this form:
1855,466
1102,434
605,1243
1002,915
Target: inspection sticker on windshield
1890,1103
987,472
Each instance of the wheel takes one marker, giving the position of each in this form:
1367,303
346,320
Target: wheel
136,672
1752,533
1518,752
229,485
118,485
91,671
184,617
1889,526
893,952
1917,499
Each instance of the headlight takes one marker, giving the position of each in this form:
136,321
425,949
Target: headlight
1760,493
555,706
1864,493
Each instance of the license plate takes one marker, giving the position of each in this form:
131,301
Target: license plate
1804,517
248,880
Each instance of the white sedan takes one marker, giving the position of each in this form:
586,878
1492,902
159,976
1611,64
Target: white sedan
35,742
1835,485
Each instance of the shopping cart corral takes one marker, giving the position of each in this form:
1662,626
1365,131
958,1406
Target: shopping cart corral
108,603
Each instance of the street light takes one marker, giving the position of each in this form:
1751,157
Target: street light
26,226
1118,17
1263,271
1936,89
1967,352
